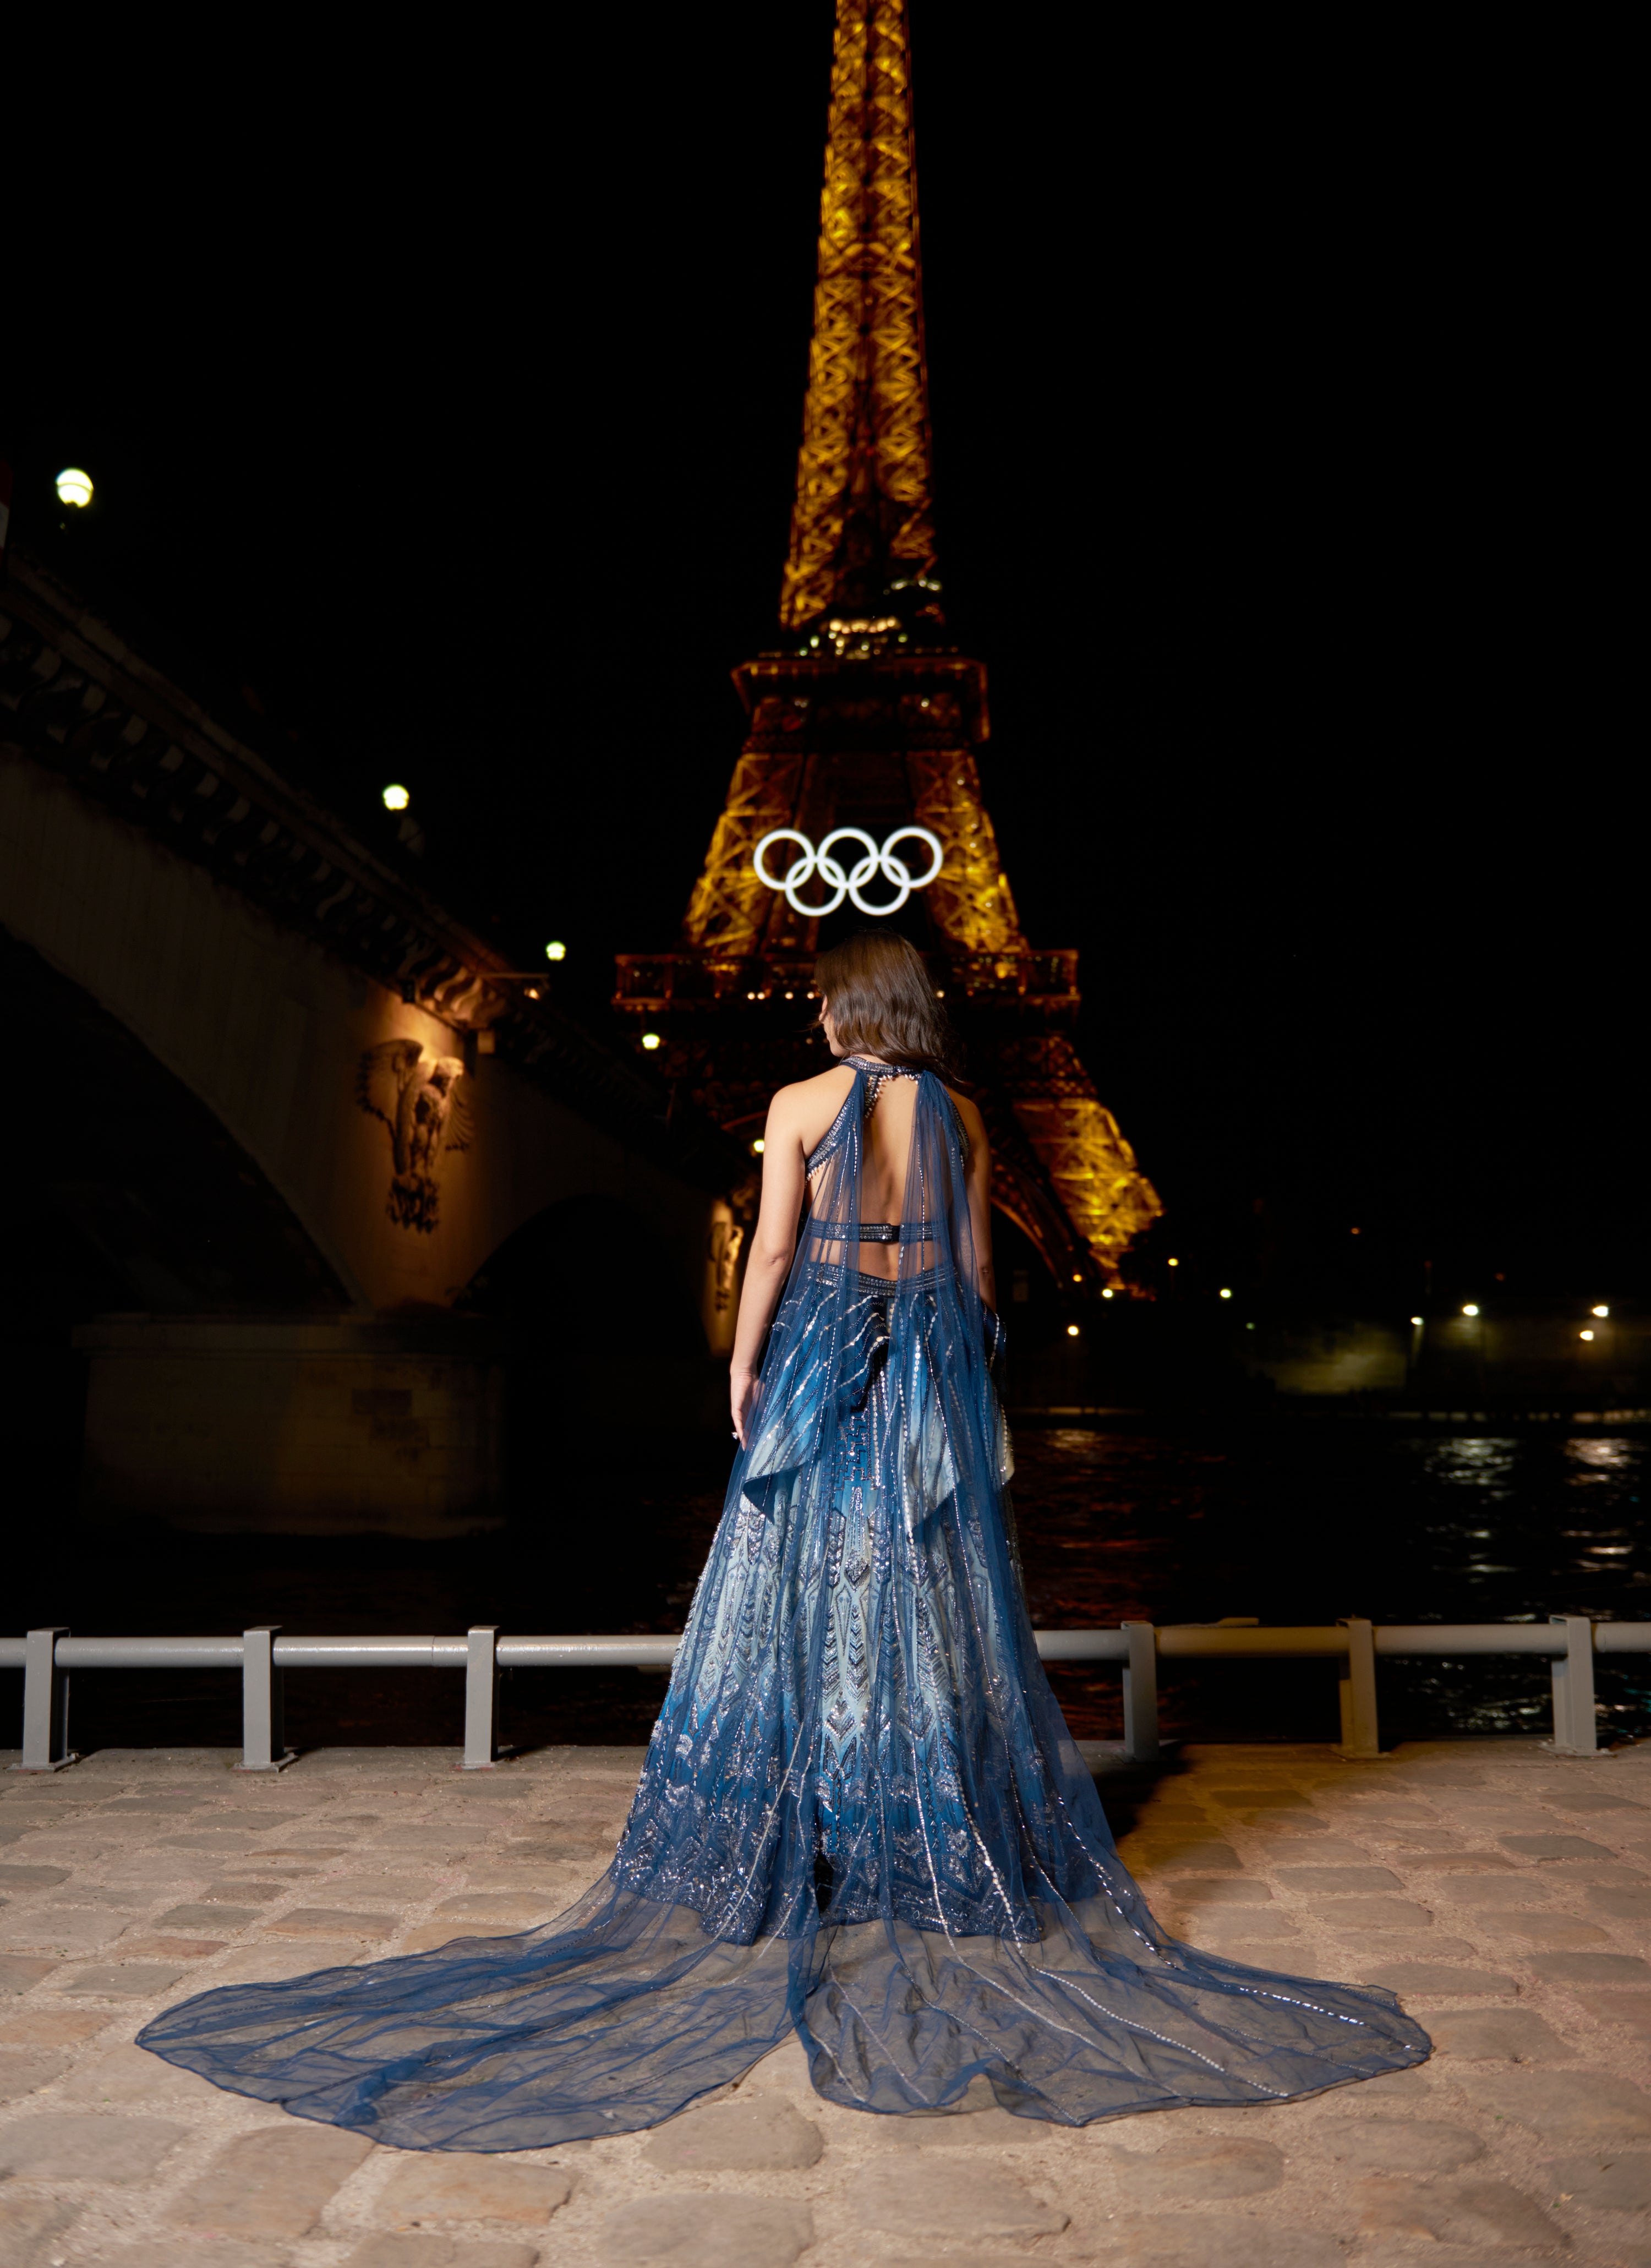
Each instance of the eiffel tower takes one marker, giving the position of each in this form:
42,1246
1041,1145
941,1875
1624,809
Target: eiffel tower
865,716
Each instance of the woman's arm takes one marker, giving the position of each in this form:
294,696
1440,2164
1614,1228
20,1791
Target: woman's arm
768,1263
980,1199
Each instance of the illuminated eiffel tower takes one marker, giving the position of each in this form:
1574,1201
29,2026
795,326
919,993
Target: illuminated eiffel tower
864,717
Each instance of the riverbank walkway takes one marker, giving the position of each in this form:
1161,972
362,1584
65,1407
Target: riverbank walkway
1503,1892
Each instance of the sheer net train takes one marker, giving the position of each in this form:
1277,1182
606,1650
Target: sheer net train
862,1817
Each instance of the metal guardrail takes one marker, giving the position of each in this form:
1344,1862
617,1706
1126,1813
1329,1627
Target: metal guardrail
264,1653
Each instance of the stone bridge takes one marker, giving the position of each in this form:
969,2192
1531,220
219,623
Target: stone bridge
293,1163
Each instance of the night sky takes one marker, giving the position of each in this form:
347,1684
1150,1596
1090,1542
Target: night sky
444,425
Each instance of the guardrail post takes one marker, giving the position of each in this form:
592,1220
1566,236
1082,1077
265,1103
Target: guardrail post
1360,1733
481,1699
1575,1730
1140,1693
262,1702
45,1705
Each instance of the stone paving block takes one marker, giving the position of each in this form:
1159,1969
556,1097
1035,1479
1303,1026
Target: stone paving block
903,2198
23,2070
131,2074
462,2185
274,2182
1555,1846
190,1918
18,1974
1374,1913
1608,2181
692,2230
1460,2212
158,1803
31,1878
1574,2107
269,1961
738,2135
1622,1905
202,2252
1591,1968
1336,1880
1493,1892
330,1921
29,2226
1539,1929
1198,2170
1208,2241
1222,1890
495,1905
431,1936
170,1949
1632,2009
1445,1861
1377,2144
137,1980
1251,1923
63,2144
62,1929
986,2129
50,2027
1195,1859
396,1889
442,2252
1591,1800
1506,2035
1406,1978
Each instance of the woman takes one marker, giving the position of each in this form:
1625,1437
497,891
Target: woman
862,1817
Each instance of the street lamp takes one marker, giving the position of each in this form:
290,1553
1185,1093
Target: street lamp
397,799
555,951
74,487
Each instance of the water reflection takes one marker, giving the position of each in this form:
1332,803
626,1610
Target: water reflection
1311,1522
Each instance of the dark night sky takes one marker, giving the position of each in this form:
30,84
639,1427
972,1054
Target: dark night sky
1277,410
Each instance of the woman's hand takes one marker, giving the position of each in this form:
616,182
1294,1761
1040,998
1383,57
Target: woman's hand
742,1386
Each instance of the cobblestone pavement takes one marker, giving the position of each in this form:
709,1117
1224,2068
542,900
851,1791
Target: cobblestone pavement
1505,1893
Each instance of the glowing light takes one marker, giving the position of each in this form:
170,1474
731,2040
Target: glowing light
791,995
74,487
1584,1335
1353,1232
758,1146
1417,1320
532,991
848,884
1107,1294
555,951
1076,1277
1469,1309
650,1041
1226,1294
1072,1330
1599,1311
397,799
1174,1263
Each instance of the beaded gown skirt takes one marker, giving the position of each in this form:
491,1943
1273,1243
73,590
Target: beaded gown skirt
862,1817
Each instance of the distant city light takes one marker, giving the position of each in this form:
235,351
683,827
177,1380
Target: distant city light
1107,1294
1226,1294
1599,1311
556,950
1417,1320
1174,1263
1584,1335
650,1041
397,799
1076,1277
532,991
74,487
1353,1232
1072,1330
1469,1309
758,1146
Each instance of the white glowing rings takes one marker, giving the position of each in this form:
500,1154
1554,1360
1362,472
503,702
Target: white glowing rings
802,870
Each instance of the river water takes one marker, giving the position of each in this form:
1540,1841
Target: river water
1290,1519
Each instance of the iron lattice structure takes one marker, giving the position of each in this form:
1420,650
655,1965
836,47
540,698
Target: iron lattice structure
866,717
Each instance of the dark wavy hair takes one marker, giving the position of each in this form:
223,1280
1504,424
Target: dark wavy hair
882,1003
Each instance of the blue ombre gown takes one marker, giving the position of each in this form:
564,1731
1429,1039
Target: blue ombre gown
862,1818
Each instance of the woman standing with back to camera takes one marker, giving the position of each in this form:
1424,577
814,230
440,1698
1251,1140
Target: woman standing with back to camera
862,1817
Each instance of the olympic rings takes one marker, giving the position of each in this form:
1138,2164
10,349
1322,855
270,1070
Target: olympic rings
802,870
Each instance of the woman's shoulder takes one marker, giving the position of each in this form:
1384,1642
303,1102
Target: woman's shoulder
968,1112
808,1107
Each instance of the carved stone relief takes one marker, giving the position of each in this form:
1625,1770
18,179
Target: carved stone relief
422,1099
